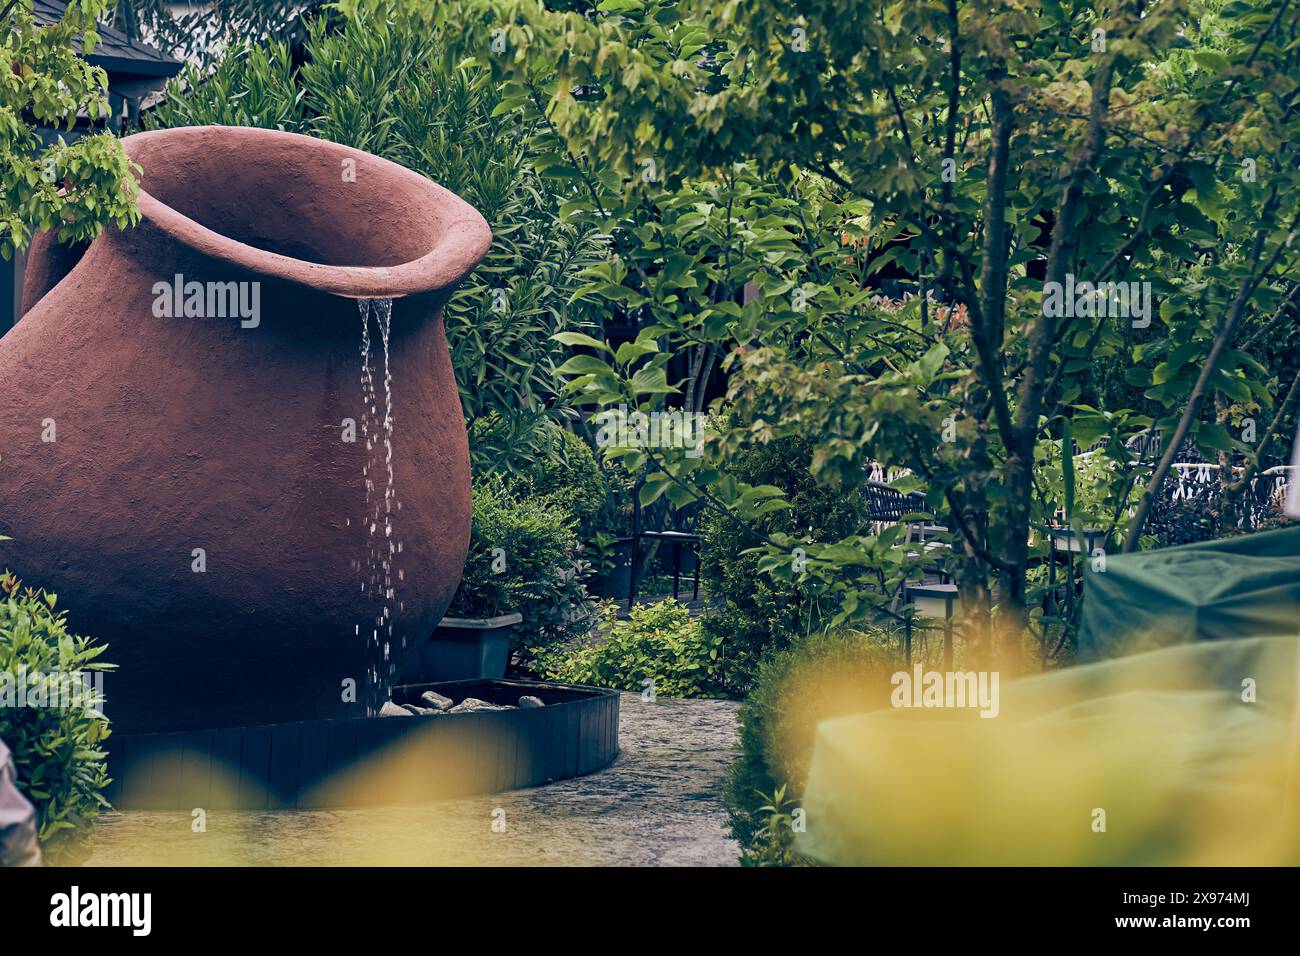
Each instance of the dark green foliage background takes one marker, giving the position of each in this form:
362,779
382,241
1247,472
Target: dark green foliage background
752,613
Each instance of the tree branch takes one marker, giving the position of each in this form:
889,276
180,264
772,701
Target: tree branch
987,325
1042,330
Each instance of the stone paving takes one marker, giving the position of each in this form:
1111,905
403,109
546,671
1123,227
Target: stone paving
658,804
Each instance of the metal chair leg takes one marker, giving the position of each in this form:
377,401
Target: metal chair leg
695,589
636,550
1069,586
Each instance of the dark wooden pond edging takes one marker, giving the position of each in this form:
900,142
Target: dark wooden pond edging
372,760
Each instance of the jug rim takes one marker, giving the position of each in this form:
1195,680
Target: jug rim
464,235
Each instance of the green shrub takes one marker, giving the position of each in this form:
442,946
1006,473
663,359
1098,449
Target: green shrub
61,766
659,642
538,457
772,843
570,476
506,446
536,572
750,613
818,677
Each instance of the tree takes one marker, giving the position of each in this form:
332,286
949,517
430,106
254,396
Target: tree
1004,154
47,183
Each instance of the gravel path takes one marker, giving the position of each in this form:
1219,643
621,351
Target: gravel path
658,804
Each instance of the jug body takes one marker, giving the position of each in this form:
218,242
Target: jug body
261,520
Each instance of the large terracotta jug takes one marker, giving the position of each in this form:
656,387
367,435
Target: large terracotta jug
193,456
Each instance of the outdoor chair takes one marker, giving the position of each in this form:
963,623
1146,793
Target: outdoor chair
678,540
885,507
683,535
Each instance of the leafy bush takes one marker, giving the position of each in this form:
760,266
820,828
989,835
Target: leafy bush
773,839
752,614
569,476
61,767
505,445
610,554
536,571
75,185
1185,520
390,86
544,459
818,677
659,642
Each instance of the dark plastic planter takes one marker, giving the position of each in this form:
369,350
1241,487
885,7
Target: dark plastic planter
328,763
618,581
464,648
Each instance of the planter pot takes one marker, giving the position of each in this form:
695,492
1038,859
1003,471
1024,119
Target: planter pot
618,582
372,761
186,429
464,648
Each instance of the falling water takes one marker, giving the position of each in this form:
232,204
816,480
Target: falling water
382,546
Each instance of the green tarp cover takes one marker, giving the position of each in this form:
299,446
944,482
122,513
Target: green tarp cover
1170,757
1234,587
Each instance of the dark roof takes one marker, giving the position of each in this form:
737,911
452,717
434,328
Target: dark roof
115,52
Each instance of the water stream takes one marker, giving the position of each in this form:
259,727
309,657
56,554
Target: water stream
378,571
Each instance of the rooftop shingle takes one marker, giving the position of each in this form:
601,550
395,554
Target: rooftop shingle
115,52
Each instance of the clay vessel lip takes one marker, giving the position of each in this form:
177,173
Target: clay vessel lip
464,235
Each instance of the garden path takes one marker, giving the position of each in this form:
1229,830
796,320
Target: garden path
659,803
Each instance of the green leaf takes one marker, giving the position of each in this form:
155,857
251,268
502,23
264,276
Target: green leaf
630,351
580,339
1213,437
1212,61
651,381
656,483
931,362
583,365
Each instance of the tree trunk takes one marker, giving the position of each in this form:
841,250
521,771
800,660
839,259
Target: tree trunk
1013,615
